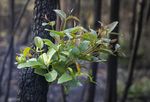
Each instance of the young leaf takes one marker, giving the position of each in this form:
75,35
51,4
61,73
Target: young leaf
74,29
52,23
20,59
61,14
51,76
26,51
40,71
111,26
50,53
84,45
38,42
75,51
28,64
117,46
44,24
50,43
64,78
89,36
57,32
68,35
44,58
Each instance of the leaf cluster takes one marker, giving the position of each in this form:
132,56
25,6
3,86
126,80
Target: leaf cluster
61,62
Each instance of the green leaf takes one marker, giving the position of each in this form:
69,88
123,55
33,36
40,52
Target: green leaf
32,59
51,76
40,71
20,59
28,64
66,53
26,51
51,52
61,14
62,58
84,45
89,36
57,32
52,23
50,43
38,42
64,78
73,30
59,66
44,58
75,51
71,84
111,26
68,35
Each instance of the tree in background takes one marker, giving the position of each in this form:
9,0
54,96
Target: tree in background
136,42
94,65
34,88
111,89
11,48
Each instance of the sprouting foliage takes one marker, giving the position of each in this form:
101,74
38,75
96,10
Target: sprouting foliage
61,62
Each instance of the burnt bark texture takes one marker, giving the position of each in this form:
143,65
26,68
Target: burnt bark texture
94,65
133,23
111,89
34,88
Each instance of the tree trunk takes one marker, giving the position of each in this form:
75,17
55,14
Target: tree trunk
111,89
133,23
94,66
11,62
34,88
134,52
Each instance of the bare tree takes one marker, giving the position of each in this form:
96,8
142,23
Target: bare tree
133,23
132,61
111,89
12,31
11,65
94,66
34,88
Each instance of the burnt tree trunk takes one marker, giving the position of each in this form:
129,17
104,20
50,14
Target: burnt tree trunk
111,89
132,61
34,88
133,23
94,65
11,62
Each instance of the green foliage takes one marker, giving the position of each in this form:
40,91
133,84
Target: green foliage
60,62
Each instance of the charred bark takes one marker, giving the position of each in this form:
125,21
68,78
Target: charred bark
94,65
34,88
133,23
111,89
